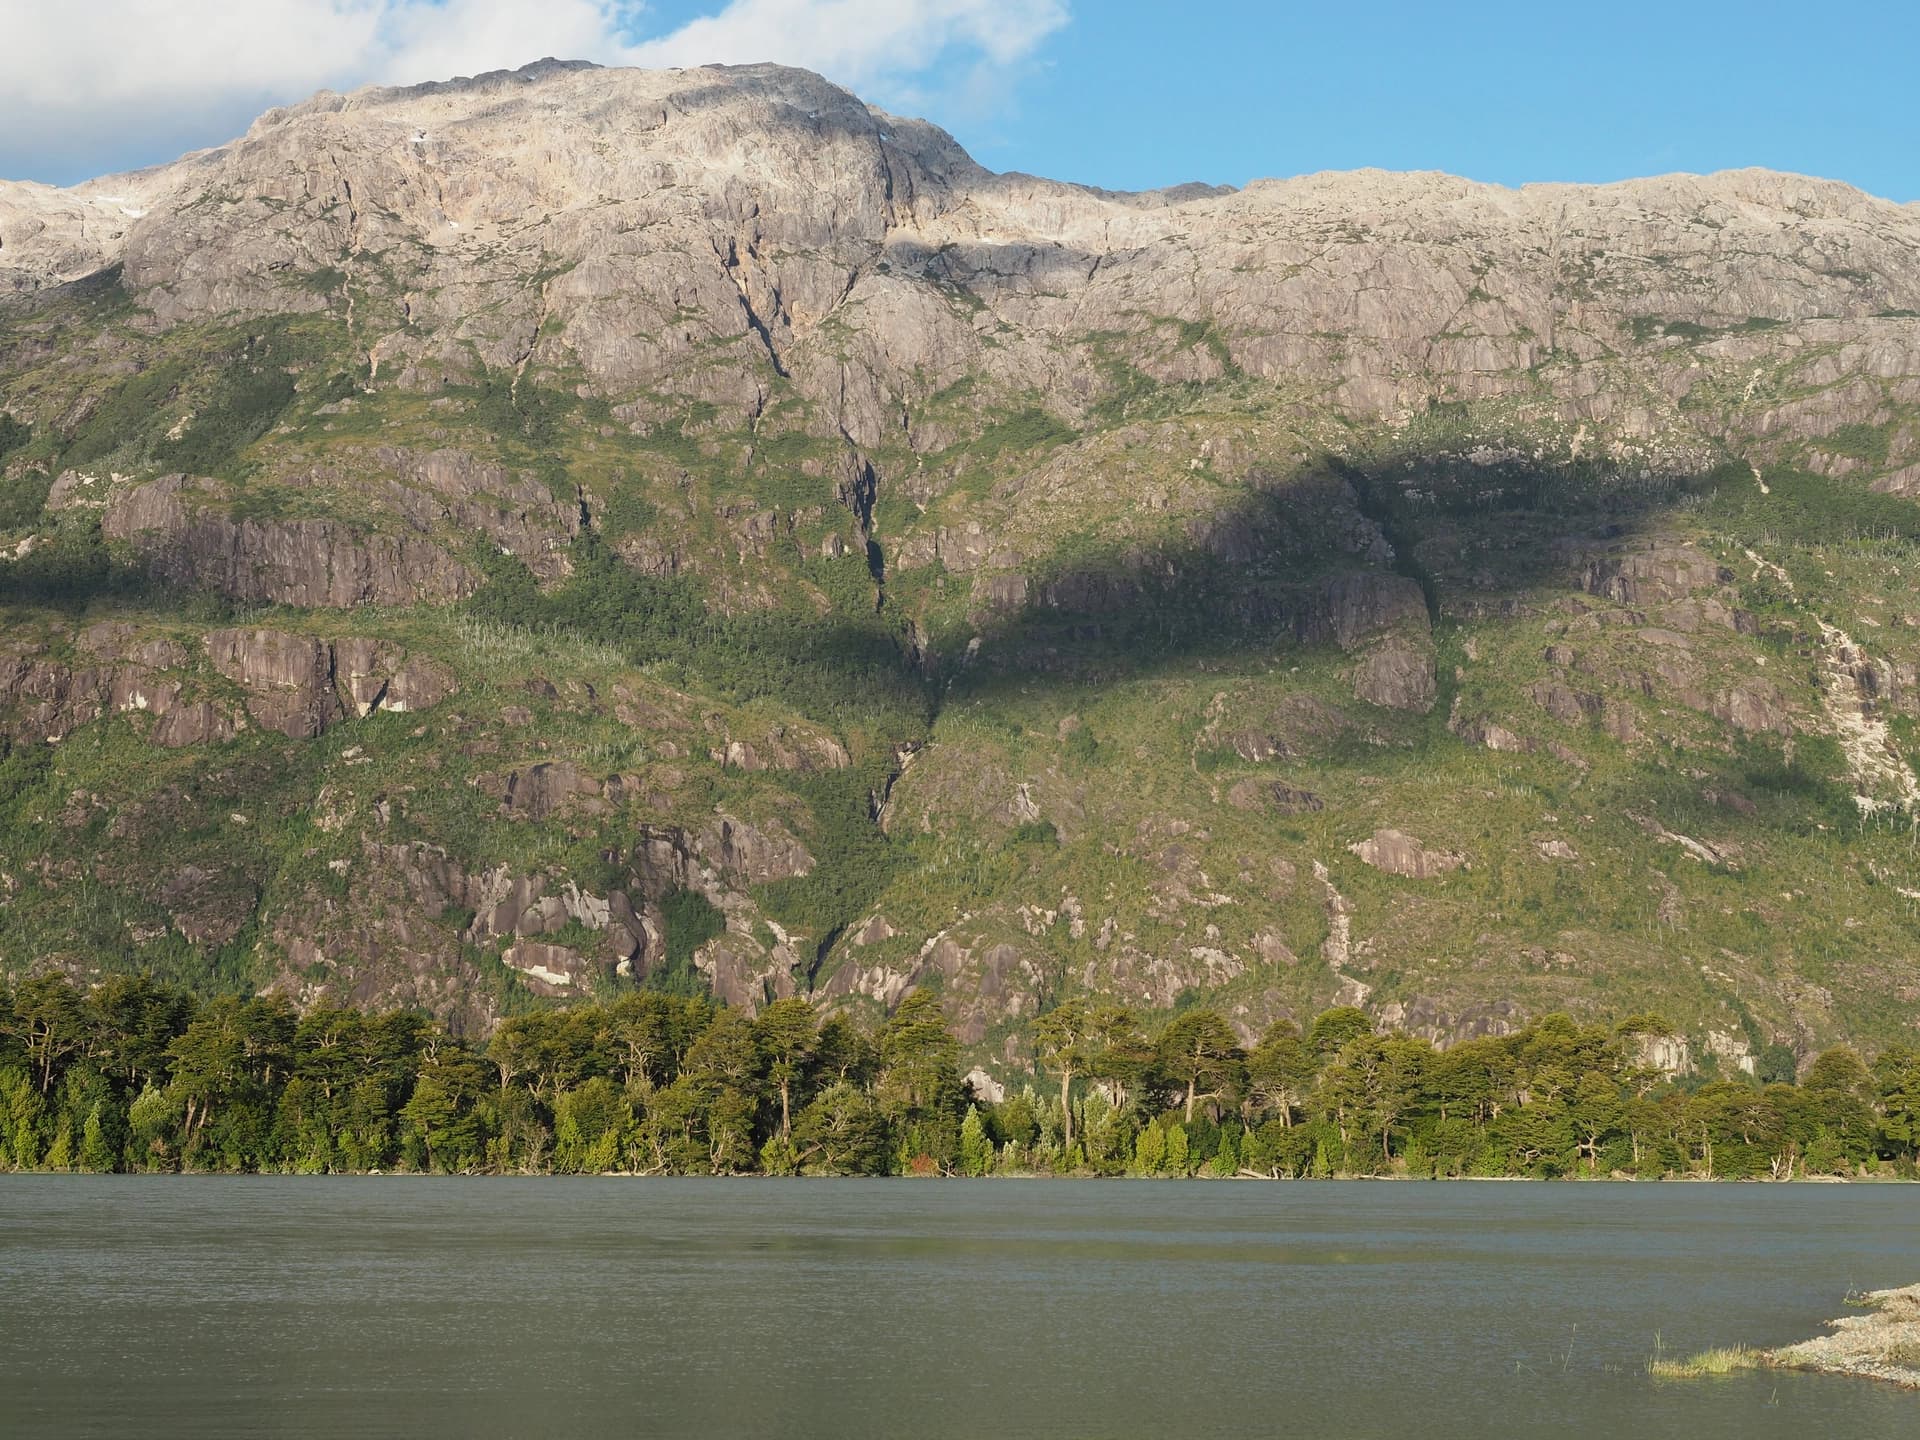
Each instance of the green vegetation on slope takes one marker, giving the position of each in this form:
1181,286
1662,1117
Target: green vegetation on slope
847,667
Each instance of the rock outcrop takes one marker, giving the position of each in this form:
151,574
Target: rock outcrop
288,679
1397,675
45,698
298,685
1398,853
310,563
302,686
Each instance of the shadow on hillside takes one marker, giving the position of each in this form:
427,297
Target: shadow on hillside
1274,570
76,575
1268,572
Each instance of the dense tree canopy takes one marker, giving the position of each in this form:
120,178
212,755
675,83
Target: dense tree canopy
136,1075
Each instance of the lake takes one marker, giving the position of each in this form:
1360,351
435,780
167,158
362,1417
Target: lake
158,1305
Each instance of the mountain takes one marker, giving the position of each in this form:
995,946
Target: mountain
498,541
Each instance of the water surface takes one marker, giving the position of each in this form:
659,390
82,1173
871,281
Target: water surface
388,1306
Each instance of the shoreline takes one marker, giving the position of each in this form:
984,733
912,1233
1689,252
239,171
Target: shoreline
1879,1342
1882,1343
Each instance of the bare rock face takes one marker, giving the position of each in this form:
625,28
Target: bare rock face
876,931
289,679
986,981
740,973
542,790
449,489
390,941
786,748
1398,675
381,946
50,698
303,686
378,676
1400,854
201,722
42,698
770,223
667,858
550,970
1661,571
309,563
753,854
362,670
1754,706
1445,1024
50,236
117,640
1668,1054
1565,704
1354,608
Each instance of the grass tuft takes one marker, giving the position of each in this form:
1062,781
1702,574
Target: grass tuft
1722,1361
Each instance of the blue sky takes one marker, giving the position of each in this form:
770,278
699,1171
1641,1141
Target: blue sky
1501,91
1123,93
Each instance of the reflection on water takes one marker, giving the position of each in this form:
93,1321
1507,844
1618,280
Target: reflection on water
154,1305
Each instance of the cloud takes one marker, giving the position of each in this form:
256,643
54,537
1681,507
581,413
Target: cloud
438,39
951,58
86,87
859,42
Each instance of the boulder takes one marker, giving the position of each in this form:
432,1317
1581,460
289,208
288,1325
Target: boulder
1755,706
1398,853
1397,675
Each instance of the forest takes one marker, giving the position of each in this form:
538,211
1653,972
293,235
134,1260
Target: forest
137,1075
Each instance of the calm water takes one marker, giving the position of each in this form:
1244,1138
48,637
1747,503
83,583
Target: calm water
134,1305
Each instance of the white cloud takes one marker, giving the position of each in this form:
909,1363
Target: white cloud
438,39
858,42
88,85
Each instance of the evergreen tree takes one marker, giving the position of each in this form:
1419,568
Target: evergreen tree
99,1151
1178,1160
1150,1150
1896,1075
1199,1054
788,1036
976,1150
138,1076
1063,1043
1280,1070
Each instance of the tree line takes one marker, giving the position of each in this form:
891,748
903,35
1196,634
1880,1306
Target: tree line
136,1075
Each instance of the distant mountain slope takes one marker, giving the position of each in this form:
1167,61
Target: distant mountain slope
531,535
